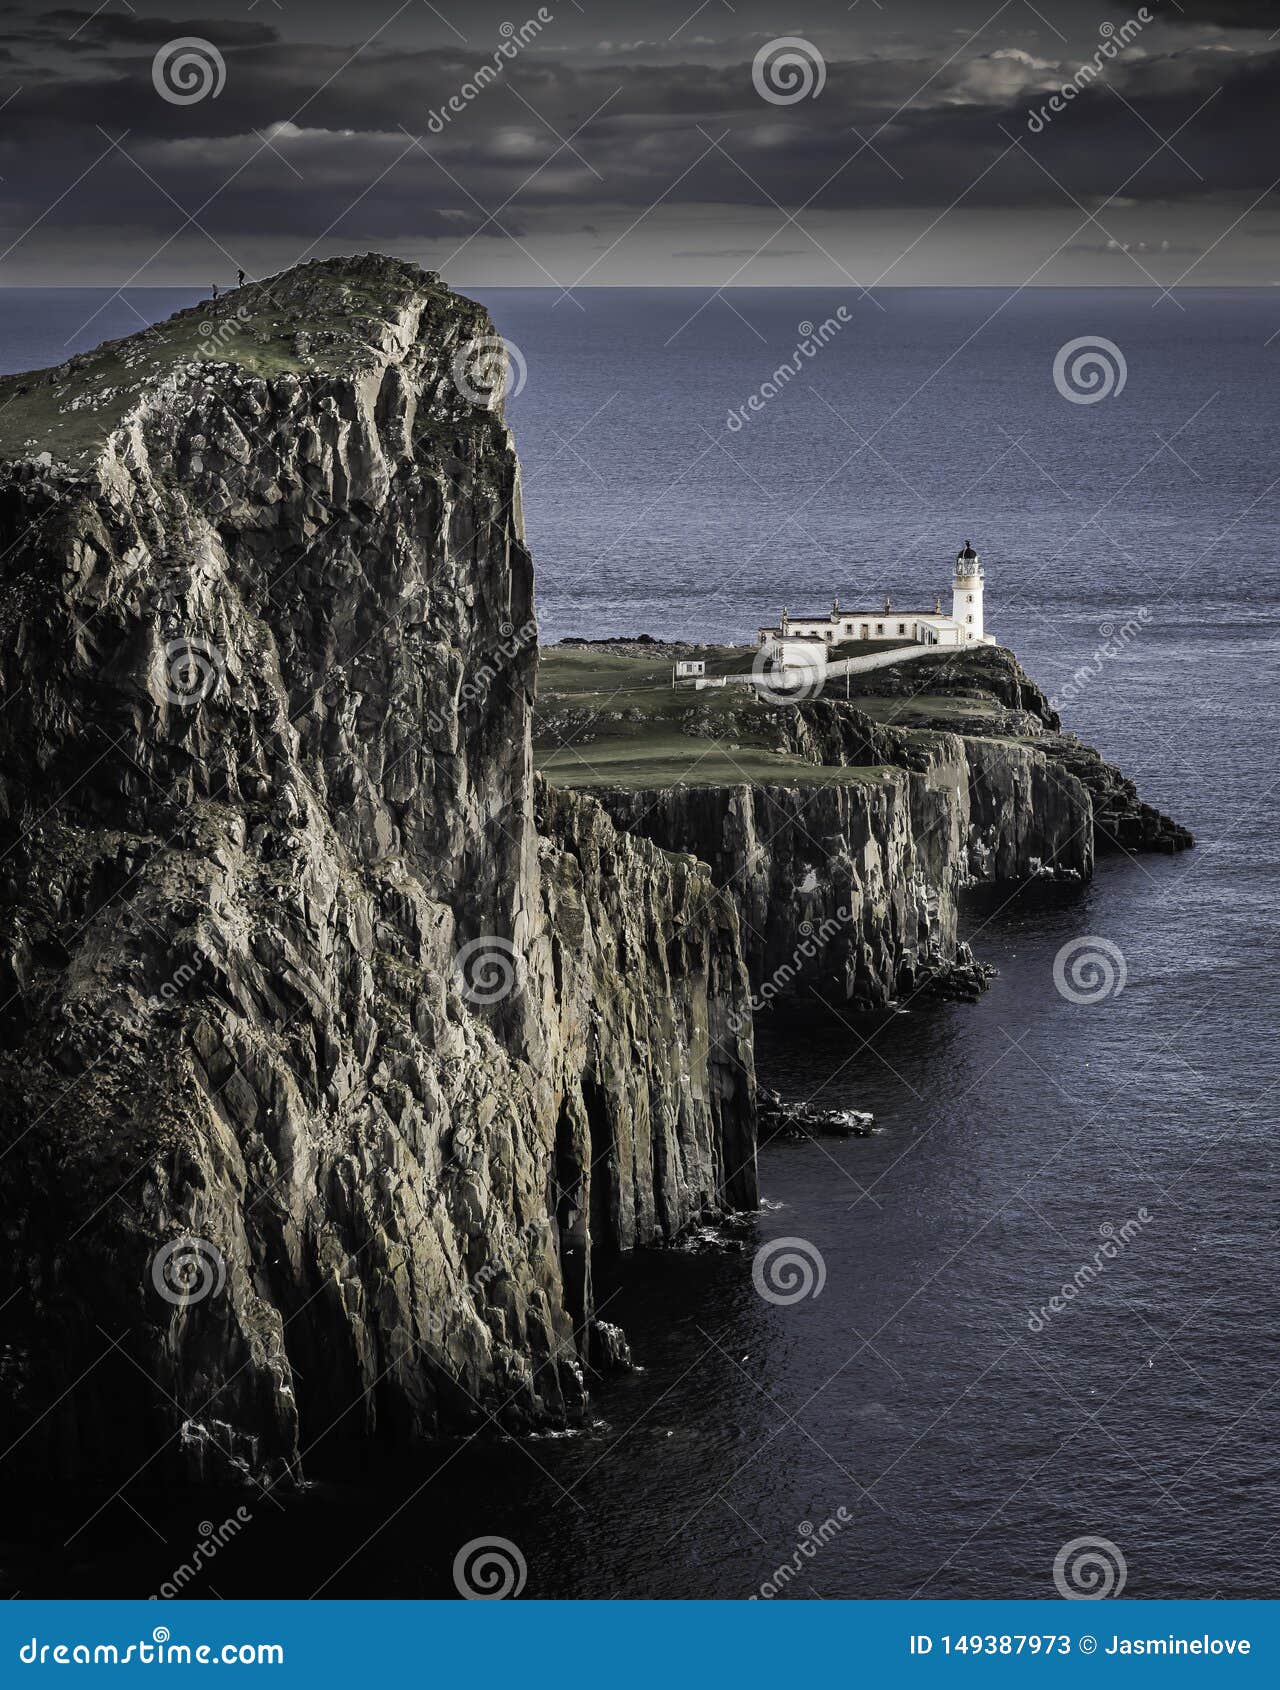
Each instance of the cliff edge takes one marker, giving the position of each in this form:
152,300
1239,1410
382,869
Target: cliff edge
848,830
337,1051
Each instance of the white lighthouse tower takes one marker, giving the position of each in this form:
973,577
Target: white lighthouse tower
966,594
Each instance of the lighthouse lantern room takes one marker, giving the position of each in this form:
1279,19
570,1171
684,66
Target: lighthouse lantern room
966,595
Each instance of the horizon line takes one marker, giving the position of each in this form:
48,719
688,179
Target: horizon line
694,287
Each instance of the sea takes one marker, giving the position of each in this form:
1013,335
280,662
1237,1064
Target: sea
1029,1336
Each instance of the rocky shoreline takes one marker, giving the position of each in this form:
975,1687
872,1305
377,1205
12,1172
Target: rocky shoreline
338,1052
849,886
780,1119
341,1051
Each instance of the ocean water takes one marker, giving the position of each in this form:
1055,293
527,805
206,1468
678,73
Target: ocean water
956,1430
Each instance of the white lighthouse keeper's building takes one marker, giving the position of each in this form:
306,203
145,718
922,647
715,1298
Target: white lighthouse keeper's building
964,626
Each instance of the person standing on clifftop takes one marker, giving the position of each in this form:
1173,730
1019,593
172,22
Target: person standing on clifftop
239,278
215,290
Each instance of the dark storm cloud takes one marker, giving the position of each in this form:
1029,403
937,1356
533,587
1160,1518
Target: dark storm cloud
78,31
654,123
314,137
1230,14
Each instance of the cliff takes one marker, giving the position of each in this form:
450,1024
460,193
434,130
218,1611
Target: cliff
848,832
337,1052
986,696
847,889
341,1053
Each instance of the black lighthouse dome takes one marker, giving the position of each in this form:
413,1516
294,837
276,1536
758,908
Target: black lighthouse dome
967,560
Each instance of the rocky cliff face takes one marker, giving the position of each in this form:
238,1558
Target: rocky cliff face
848,883
845,889
1003,704
335,1052
338,1051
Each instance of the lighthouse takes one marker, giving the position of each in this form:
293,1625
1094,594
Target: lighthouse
840,625
966,594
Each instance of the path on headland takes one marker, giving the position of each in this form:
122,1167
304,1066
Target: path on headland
882,659
842,666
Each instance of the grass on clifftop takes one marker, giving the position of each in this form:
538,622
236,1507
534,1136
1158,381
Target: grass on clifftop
608,715
572,668
657,760
584,670
926,708
313,318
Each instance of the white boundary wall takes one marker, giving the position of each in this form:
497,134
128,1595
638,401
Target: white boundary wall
853,665
882,659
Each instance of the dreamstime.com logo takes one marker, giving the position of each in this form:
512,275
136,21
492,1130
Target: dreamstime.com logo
802,676
1116,638
212,1539
214,336
1090,969
1113,43
787,1270
810,1543
512,1252
514,37
787,70
1115,1241
156,1650
1088,1569
813,337
489,970
489,369
188,70
486,671
1088,369
813,940
168,993
187,1270
489,1569
193,671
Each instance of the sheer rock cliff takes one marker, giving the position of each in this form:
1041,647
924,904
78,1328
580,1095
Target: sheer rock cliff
342,1055
849,873
337,1052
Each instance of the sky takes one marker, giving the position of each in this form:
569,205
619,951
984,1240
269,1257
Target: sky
592,142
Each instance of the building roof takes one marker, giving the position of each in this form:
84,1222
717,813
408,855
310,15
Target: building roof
881,615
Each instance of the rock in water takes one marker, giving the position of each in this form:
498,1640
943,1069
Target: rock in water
336,1051
779,1119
